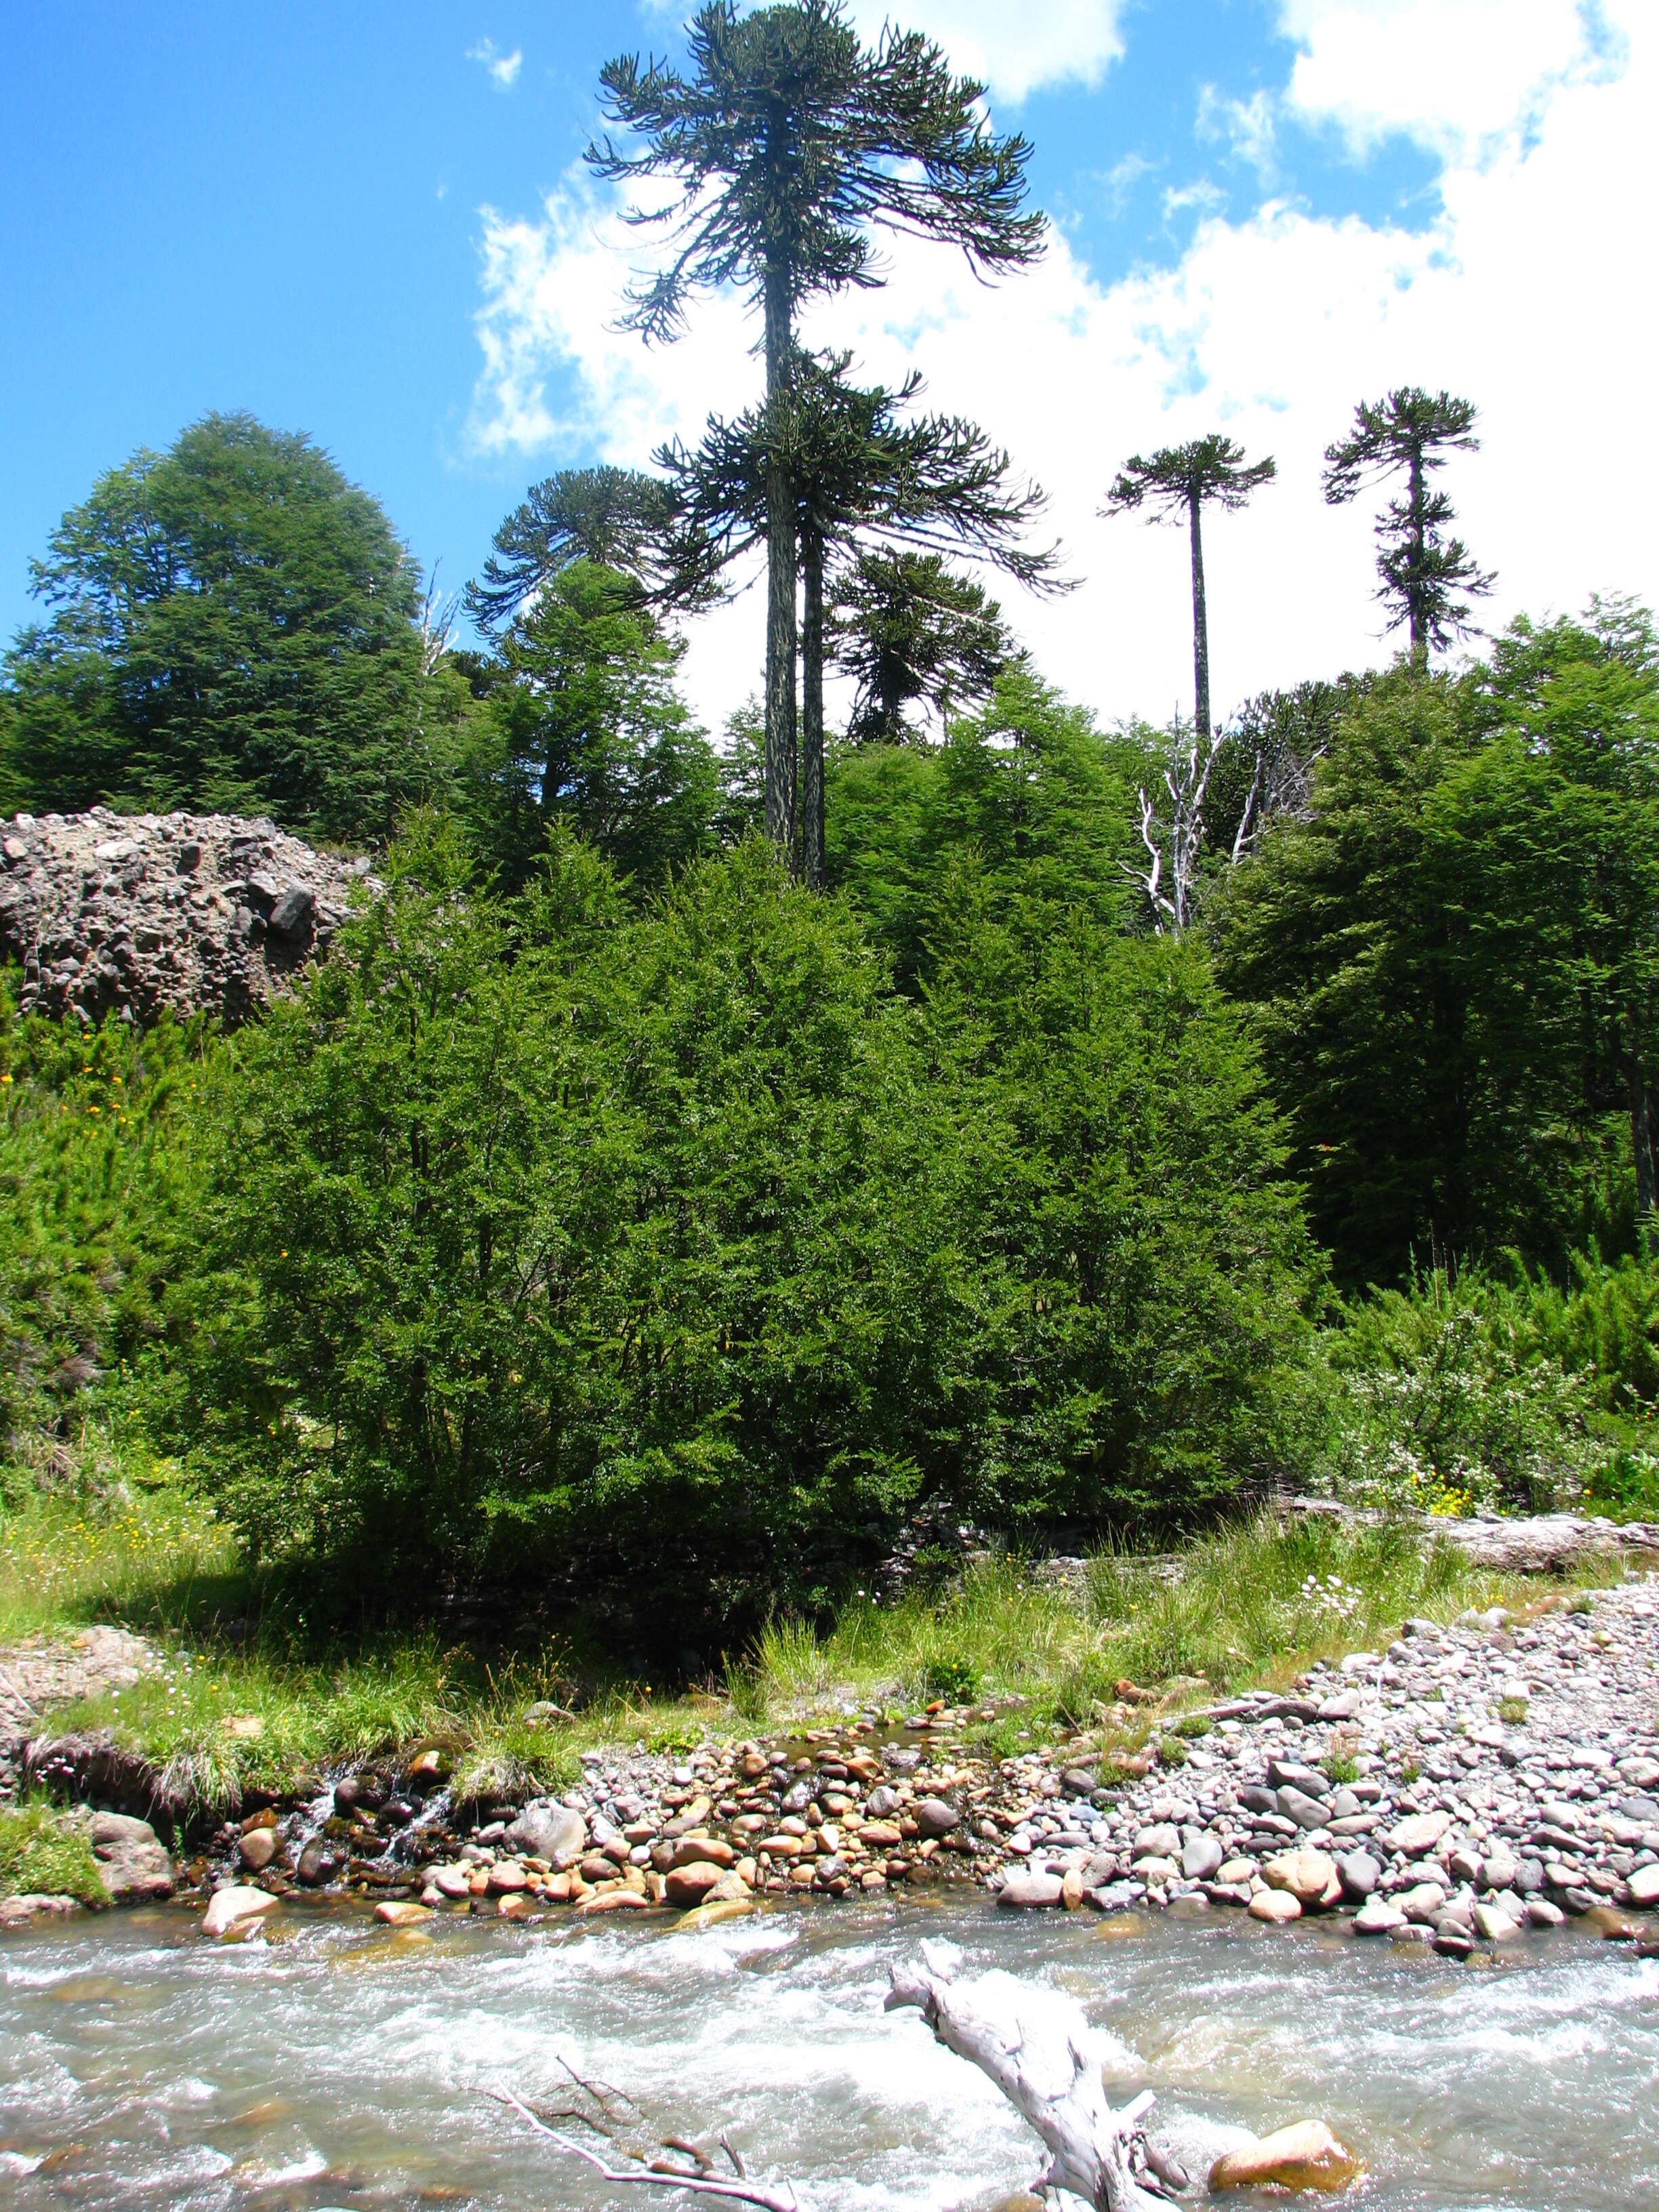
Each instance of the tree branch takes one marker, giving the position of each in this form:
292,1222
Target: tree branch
742,2192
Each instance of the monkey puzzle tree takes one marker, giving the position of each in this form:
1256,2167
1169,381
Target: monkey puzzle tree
1428,579
905,629
858,473
614,518
1176,481
789,140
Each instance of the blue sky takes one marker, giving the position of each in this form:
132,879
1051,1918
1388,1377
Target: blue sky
304,212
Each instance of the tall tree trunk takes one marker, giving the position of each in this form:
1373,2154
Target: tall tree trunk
779,579
1416,593
811,730
1200,630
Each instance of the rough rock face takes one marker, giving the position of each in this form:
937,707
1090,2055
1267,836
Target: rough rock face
129,913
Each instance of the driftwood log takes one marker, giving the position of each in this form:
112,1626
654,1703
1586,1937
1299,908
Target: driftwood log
1535,1544
1036,2051
1048,2072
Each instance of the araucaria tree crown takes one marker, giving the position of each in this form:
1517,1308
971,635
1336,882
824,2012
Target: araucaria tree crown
788,140
1428,579
1176,481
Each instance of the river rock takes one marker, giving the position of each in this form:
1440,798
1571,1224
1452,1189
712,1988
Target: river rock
935,1817
1027,1888
403,1913
1378,1916
883,1799
546,1830
691,1850
1543,1914
1418,1832
1493,1926
1304,2156
1423,1902
235,1909
133,1859
34,1905
1277,1905
1289,1774
689,1885
1499,1868
1200,1857
1643,1885
1162,1840
1358,1874
1309,1875
1297,1805
257,1849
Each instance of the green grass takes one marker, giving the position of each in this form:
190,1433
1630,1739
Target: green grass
41,1854
240,1702
113,1537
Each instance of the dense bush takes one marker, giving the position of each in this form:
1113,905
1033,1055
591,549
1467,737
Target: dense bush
1479,1391
94,1168
548,1240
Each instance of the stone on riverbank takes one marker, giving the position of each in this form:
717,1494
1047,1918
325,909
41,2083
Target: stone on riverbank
34,1905
547,1830
1275,1906
1025,1889
235,1910
132,1861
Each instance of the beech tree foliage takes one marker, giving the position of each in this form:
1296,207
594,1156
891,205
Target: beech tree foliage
231,625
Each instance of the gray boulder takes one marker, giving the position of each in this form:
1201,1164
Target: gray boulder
545,1829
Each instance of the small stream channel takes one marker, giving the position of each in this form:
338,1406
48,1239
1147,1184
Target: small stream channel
341,2064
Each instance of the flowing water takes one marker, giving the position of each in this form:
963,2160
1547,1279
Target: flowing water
341,2064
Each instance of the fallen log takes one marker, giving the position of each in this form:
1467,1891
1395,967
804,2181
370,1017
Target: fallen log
1530,1544
1046,2070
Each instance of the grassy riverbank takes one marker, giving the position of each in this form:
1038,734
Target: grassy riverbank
236,1702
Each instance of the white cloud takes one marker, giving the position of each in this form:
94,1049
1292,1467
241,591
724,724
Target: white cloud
503,68
1459,76
1248,128
1526,296
1013,49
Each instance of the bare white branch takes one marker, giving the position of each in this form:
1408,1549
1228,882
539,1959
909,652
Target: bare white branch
698,2184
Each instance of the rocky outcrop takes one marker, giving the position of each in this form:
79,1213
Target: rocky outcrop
129,913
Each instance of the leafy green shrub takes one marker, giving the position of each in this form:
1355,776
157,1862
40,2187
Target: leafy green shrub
96,1171
952,1676
552,1240
1194,1727
1442,1397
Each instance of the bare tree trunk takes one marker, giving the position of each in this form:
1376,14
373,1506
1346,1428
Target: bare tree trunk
811,641
1052,2081
780,580
1200,626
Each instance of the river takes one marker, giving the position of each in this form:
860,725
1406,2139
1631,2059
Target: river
343,2064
